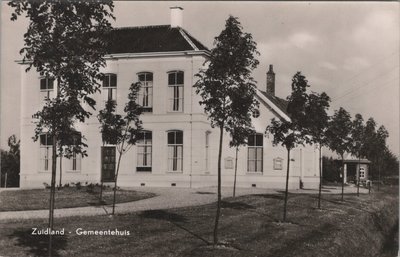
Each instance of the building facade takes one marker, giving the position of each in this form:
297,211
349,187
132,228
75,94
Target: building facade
178,147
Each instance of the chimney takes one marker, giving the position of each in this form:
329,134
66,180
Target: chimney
271,81
176,16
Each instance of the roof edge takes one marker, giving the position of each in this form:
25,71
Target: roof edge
272,105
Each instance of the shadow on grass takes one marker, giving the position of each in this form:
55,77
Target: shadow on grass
237,205
205,193
173,218
278,197
37,245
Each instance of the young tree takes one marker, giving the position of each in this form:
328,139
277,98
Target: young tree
120,130
65,41
381,135
10,161
339,136
316,127
227,88
357,135
291,133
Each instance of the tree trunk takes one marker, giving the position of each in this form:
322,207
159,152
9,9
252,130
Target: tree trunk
52,193
60,184
116,178
320,178
221,129
101,176
342,178
287,185
379,174
358,174
234,179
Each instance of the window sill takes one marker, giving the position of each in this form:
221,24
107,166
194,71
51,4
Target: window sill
45,171
174,172
254,173
73,171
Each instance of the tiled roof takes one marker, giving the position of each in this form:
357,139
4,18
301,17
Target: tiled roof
148,39
278,102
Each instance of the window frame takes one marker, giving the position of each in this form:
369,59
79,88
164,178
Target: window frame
110,88
46,90
146,145
258,144
176,147
147,108
174,89
48,148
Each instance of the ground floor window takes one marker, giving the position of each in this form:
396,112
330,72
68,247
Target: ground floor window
175,150
46,152
144,150
108,163
255,153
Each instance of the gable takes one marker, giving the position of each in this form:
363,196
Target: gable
274,104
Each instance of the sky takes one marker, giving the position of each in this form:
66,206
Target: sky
350,50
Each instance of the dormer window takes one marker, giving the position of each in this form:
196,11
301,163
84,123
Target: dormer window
145,96
109,89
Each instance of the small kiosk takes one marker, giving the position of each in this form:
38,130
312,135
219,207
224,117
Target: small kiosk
353,166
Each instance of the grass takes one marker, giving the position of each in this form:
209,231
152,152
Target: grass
249,226
66,197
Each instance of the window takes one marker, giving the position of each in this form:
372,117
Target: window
46,151
255,153
175,84
110,87
74,162
362,172
175,150
144,150
47,87
145,96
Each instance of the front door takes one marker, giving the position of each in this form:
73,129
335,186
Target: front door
108,163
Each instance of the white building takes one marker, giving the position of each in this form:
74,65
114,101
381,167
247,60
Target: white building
179,147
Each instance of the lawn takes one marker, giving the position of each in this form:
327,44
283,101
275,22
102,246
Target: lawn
66,197
249,226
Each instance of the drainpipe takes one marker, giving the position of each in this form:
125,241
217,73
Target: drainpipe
191,123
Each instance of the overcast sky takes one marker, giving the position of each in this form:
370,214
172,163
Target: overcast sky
349,50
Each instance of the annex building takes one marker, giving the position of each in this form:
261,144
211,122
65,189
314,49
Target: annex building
178,147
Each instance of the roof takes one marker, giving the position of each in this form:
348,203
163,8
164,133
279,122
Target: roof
279,103
161,38
353,159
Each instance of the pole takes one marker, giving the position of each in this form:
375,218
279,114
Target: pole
234,181
287,185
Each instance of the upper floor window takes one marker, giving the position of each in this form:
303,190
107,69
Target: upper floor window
175,84
47,87
109,90
46,146
145,96
175,150
255,153
144,149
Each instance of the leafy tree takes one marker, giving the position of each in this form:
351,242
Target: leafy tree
380,145
316,127
358,134
65,41
227,88
10,161
291,133
121,130
339,136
